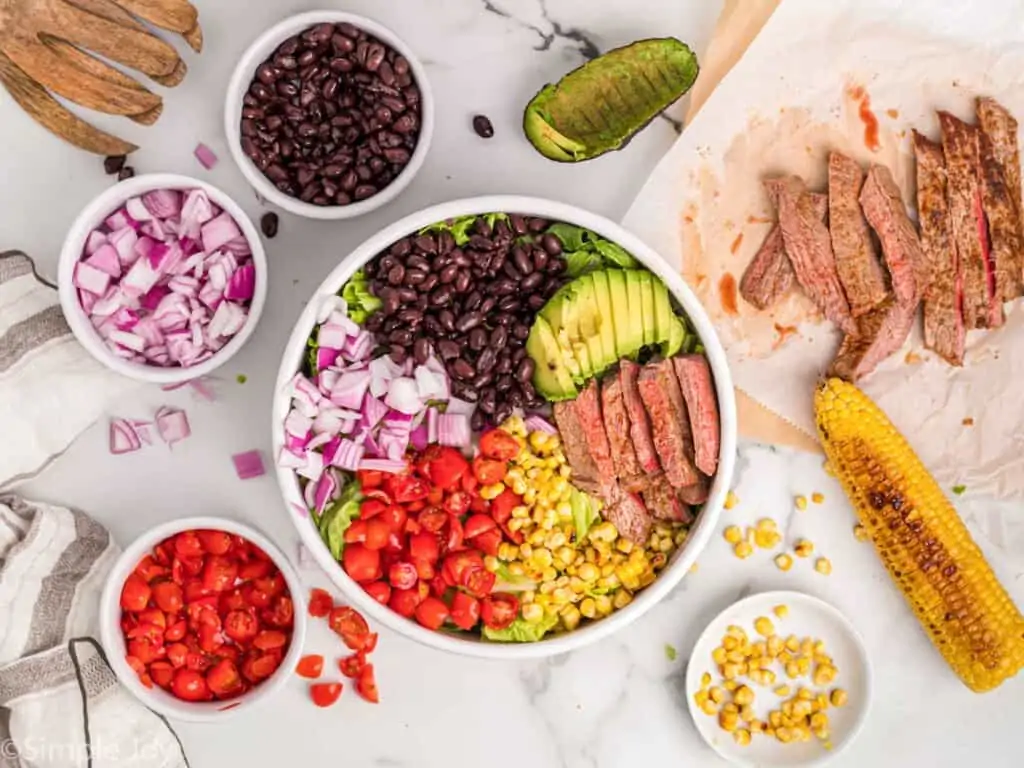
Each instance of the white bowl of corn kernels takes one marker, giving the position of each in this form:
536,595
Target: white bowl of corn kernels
779,680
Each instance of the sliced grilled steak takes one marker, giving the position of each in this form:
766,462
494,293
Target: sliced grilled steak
664,502
1000,213
639,424
616,424
696,494
673,441
981,307
574,442
588,411
859,269
769,276
943,321
885,212
626,511
694,375
810,251
1001,128
881,332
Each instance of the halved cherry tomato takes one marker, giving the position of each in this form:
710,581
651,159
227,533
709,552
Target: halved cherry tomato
223,679
488,471
479,582
197,661
215,542
405,489
256,597
137,666
516,537
366,685
175,632
404,601
187,544
458,564
503,504
324,694
379,591
281,613
453,535
320,602
232,600
149,569
151,633
394,517
190,566
269,639
153,616
273,584
444,466
168,596
241,626
458,503
193,591
352,666
356,533
369,478
135,593
488,541
432,613
435,495
210,638
499,610
144,650
499,444
257,668
438,586
177,654
189,685
230,651
424,546
469,484
432,519
477,524
377,532
465,611
361,563
348,624
424,569
379,494
310,666
162,673
219,573
402,575
368,643
370,508
255,569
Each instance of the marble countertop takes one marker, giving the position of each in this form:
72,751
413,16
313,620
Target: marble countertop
617,704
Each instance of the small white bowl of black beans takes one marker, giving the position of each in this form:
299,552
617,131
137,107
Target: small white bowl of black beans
329,115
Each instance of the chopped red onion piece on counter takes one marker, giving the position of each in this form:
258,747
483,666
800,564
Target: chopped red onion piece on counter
248,465
172,425
123,437
205,156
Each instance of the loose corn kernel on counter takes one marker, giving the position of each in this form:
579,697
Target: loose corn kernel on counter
569,581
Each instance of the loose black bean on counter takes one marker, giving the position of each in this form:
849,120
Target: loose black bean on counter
471,305
333,116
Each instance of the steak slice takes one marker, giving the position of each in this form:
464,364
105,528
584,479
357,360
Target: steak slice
981,307
588,411
616,424
695,494
584,470
639,425
943,320
626,511
883,208
769,276
673,440
664,502
859,269
694,375
881,332
810,251
1000,213
1001,128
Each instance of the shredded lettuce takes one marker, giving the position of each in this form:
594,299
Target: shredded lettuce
585,250
509,582
361,303
459,227
312,345
521,631
337,518
584,512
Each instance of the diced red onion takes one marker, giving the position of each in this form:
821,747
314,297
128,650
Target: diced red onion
309,494
205,156
172,425
320,441
242,284
350,389
349,455
331,336
384,465
123,437
248,465
154,229
373,411
88,278
358,347
218,232
124,241
537,423
96,239
326,488
290,459
329,305
326,380
163,203
459,406
128,340
144,429
453,429
239,246
330,447
119,220
419,437
105,259
432,416
314,466
137,210
302,384
196,211
297,424
403,396
429,384
325,357
202,388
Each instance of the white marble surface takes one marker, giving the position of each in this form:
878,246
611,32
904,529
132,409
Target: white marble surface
615,705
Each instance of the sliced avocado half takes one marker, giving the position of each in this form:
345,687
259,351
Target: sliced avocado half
601,105
550,377
603,296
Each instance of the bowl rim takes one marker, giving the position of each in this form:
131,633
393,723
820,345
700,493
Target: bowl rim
245,71
113,643
785,597
71,252
700,534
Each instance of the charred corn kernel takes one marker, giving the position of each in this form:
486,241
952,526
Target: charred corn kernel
728,721
716,694
491,563
708,707
903,509
491,491
730,685
764,626
744,696
622,598
731,500
838,697
823,566
742,737
533,613
860,532
733,534
743,550
801,502
604,604
803,548
782,611
783,562
719,655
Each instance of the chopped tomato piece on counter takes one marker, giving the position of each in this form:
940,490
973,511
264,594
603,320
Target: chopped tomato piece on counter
324,694
352,666
310,666
499,444
366,685
320,602
345,621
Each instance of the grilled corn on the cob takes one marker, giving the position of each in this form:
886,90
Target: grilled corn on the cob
921,539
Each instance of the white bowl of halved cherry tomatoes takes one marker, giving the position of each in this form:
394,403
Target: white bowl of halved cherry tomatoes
199,618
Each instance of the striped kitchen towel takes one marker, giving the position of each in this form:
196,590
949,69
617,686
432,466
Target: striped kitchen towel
62,705
51,389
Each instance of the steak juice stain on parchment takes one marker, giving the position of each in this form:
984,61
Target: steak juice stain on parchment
867,117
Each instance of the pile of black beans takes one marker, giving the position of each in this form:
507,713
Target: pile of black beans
471,306
333,116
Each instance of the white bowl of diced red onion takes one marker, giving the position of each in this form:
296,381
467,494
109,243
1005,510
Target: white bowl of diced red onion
163,278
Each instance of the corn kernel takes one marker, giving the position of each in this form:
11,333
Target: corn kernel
793,643
742,737
541,558
783,734
731,500
588,572
719,655
603,531
728,721
566,554
733,534
730,685
838,697
792,670
817,498
533,613
820,702
803,548
775,718
767,539
760,648
705,680
744,696
515,524
824,675
708,707
622,598
819,721
804,665
782,611
604,604
570,617
764,626
823,566
743,550
549,574
736,657
783,562
782,690
716,694
801,502
492,491
666,545
860,532
747,713
730,671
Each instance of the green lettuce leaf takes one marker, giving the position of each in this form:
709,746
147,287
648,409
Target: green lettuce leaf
361,303
580,262
509,582
337,518
459,228
573,238
521,631
311,349
584,512
585,250
614,254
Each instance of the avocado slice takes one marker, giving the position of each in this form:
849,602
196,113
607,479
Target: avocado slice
590,322
550,376
601,105
647,280
663,313
563,313
676,337
603,295
625,328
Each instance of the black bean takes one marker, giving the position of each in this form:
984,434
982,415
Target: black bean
113,164
505,382
511,271
391,303
468,322
538,225
522,260
505,364
518,222
426,244
463,369
521,331
498,338
432,326
414,277
396,274
448,274
446,244
524,372
465,391
448,350
477,339
518,354
364,191
483,127
487,305
556,267
480,243
421,350
488,357
503,319
502,412
458,255
407,295
536,301
482,380
488,400
528,391
505,286
402,336
509,304
269,223
447,319
416,261
477,421
441,296
412,316
532,282
374,322
551,244
428,282
462,281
